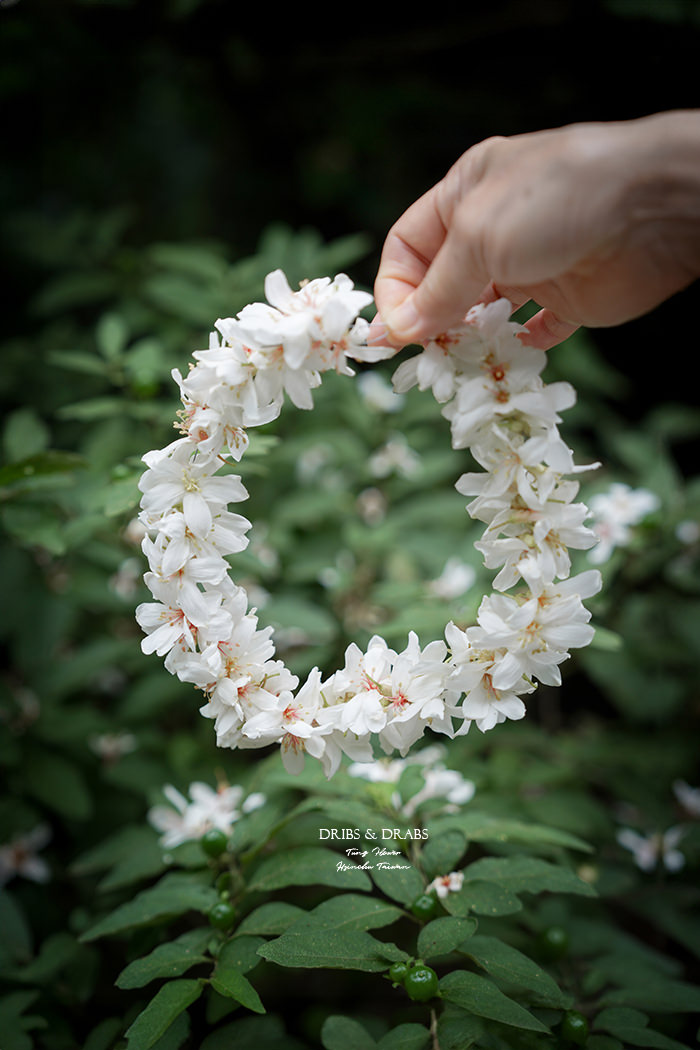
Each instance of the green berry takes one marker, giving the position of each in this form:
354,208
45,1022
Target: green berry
574,1028
397,972
552,943
222,916
421,983
425,906
214,842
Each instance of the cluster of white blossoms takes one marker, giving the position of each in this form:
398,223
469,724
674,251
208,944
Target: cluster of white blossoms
497,405
187,819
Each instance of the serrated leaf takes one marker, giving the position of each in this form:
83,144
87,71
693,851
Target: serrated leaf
506,963
444,935
481,997
345,1033
175,894
307,866
333,950
167,960
167,1004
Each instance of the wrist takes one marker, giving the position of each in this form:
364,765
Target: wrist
663,182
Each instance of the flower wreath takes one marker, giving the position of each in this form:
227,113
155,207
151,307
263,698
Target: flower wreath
497,405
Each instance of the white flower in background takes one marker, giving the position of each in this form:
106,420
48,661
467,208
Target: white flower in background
110,747
20,856
650,850
688,532
689,797
455,579
394,457
615,513
446,884
439,782
378,393
187,819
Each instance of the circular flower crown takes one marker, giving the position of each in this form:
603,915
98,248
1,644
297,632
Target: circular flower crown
497,406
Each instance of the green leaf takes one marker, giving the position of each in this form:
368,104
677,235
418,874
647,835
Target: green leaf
333,950
271,918
307,866
167,1004
350,911
44,464
111,336
405,1037
167,960
631,1027
522,874
480,827
344,1033
16,943
233,985
25,435
397,878
59,784
444,935
442,853
56,953
658,995
483,898
253,1033
240,953
481,997
505,963
175,894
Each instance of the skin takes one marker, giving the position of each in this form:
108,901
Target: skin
596,223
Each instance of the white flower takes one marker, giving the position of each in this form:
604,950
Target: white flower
689,797
649,850
394,457
186,819
111,746
615,512
455,579
446,884
377,393
20,856
199,621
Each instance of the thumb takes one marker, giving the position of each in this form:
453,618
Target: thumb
452,284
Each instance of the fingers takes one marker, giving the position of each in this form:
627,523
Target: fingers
545,330
427,277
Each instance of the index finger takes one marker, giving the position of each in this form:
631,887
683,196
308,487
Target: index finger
422,282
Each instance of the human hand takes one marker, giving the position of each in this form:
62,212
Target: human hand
597,223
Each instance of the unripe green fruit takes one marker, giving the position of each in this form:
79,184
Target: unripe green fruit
552,943
421,983
425,906
214,842
398,971
574,1028
222,916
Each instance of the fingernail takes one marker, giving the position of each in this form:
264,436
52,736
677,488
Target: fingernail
376,333
404,319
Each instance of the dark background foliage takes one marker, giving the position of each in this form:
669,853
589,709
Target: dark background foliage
200,118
